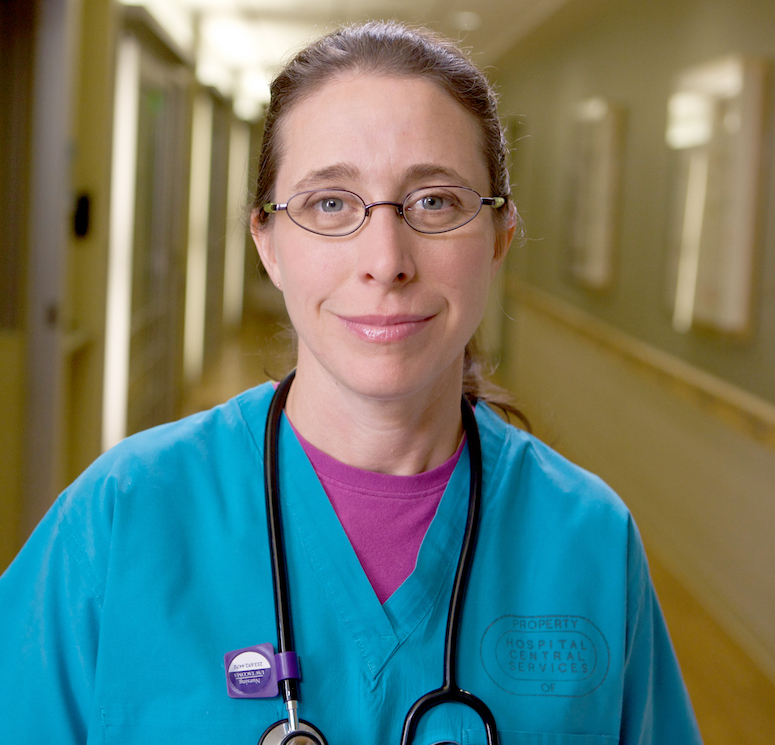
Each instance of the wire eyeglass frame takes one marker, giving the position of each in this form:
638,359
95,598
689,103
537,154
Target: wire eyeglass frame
403,209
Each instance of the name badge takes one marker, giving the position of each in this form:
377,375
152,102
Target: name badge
251,672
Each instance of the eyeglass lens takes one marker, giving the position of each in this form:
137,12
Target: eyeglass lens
431,210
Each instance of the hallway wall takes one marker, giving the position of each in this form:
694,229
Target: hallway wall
700,487
17,37
686,432
631,54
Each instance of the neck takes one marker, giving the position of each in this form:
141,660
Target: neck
402,436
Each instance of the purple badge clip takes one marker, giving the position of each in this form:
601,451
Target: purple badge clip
252,672
287,666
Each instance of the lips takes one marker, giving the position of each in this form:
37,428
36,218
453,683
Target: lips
381,329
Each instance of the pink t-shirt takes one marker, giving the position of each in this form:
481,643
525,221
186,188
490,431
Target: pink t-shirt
384,516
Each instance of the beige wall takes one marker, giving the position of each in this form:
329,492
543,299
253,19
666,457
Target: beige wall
701,487
79,321
16,45
685,434
631,54
87,266
12,416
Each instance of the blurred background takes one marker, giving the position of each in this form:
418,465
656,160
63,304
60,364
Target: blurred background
635,326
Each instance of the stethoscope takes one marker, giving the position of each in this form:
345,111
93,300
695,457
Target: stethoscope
295,731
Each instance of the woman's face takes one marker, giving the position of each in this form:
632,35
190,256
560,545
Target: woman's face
385,312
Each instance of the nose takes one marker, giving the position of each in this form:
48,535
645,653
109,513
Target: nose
386,247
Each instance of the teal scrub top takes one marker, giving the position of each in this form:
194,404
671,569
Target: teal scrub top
116,615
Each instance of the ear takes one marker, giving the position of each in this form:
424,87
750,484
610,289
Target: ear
503,237
263,237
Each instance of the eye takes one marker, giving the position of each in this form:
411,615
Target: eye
432,202
329,204
438,209
433,199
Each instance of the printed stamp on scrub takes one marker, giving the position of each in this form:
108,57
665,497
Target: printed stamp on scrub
545,655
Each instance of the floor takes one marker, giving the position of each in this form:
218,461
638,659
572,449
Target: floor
733,699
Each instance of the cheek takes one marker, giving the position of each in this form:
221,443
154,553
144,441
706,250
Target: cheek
295,259
468,280
309,273
473,262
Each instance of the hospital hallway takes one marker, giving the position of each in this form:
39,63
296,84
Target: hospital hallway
633,320
734,701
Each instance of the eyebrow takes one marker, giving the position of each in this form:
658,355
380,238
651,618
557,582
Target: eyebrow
328,176
424,171
340,173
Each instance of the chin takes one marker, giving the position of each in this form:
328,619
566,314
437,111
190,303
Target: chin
381,379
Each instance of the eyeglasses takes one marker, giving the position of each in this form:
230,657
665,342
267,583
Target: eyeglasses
433,209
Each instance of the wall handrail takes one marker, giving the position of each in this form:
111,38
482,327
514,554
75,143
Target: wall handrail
737,407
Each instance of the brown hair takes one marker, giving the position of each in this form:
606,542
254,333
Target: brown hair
390,48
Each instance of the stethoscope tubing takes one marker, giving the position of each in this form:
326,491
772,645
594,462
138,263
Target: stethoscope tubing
469,545
449,692
282,604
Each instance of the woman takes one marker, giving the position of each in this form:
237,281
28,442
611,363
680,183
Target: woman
145,602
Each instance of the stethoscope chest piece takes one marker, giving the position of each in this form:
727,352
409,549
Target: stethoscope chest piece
304,734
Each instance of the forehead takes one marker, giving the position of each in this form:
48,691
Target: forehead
380,128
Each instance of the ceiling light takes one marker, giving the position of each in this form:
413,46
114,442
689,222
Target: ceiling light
465,20
174,18
235,42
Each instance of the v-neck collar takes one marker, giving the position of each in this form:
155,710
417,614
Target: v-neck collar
377,630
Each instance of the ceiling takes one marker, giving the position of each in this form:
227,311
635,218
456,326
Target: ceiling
239,44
